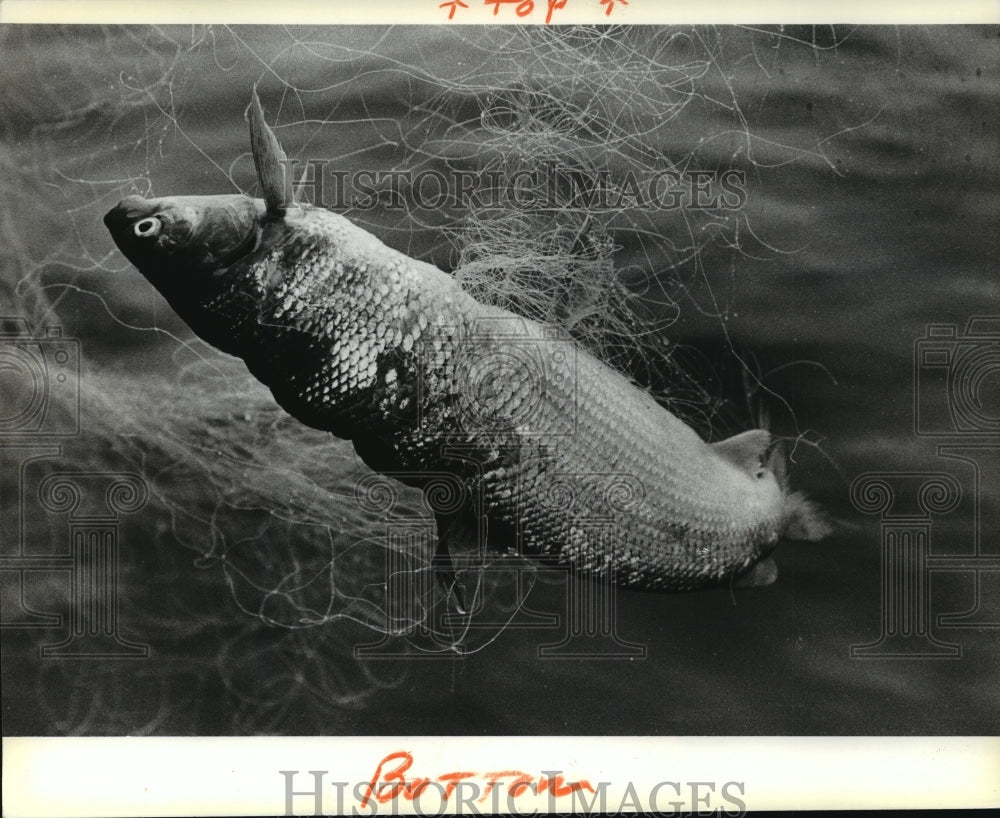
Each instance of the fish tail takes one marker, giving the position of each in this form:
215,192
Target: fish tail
803,519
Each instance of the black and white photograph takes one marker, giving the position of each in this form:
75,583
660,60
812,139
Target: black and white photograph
530,379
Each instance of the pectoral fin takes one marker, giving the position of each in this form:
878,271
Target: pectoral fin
760,574
457,534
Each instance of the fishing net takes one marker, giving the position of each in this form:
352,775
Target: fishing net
264,556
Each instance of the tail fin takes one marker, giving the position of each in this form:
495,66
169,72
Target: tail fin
801,518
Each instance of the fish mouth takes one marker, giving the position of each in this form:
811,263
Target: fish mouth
127,211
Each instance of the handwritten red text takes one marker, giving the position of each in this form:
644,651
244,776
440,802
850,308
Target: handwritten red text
523,8
390,782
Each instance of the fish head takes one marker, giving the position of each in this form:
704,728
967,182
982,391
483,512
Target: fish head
196,250
191,248
185,237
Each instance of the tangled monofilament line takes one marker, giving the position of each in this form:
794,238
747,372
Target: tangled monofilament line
233,479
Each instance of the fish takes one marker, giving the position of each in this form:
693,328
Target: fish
551,453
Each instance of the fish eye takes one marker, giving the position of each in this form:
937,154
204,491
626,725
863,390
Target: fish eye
144,228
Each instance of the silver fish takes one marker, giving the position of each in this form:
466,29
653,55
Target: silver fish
556,454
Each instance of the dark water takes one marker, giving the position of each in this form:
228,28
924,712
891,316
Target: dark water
873,192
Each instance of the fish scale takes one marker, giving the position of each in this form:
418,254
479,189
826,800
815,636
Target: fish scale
682,528
560,455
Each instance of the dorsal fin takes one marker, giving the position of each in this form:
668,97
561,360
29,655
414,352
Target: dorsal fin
747,450
271,162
